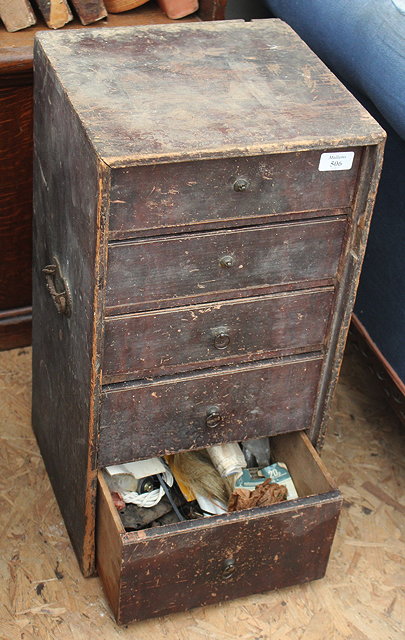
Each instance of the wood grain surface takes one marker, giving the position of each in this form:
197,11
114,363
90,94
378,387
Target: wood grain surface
44,595
16,52
161,342
212,9
109,543
348,279
15,328
145,419
150,417
19,45
189,268
215,88
155,199
269,553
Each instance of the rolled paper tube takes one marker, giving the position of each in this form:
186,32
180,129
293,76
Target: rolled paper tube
228,459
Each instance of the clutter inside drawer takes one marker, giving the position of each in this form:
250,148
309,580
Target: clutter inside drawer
198,484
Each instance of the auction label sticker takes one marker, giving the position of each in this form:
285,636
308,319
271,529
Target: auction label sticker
336,161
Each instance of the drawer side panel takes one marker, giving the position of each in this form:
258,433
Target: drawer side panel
108,544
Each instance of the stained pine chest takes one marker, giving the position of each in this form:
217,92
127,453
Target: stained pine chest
202,200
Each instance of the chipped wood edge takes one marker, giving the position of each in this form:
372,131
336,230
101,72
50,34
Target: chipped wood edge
100,270
353,259
374,135
278,146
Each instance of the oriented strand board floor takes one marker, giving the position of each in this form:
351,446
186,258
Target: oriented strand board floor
43,595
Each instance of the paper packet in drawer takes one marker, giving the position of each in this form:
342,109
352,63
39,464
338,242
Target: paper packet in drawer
137,482
278,473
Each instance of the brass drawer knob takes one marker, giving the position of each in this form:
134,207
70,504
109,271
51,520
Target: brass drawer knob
221,340
213,417
227,262
240,184
229,567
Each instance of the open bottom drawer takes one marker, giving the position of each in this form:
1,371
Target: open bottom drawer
161,570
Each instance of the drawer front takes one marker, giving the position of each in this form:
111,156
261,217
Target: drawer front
170,196
163,342
151,573
145,419
220,265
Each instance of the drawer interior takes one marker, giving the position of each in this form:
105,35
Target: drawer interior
174,567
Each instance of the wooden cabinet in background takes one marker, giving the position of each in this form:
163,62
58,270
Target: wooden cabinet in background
16,55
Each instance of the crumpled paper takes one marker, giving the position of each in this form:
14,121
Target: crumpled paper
263,495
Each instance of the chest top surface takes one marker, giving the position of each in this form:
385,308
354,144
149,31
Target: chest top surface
161,93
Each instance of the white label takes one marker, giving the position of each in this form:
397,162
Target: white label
336,161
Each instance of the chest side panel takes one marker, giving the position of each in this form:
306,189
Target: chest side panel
346,285
68,221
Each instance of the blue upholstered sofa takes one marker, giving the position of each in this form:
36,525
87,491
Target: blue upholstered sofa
363,43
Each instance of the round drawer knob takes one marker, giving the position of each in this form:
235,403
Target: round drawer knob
227,262
213,417
240,184
221,340
228,569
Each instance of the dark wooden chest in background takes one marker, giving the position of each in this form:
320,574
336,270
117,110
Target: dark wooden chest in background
16,86
202,202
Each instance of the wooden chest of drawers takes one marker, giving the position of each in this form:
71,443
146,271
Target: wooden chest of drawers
202,201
